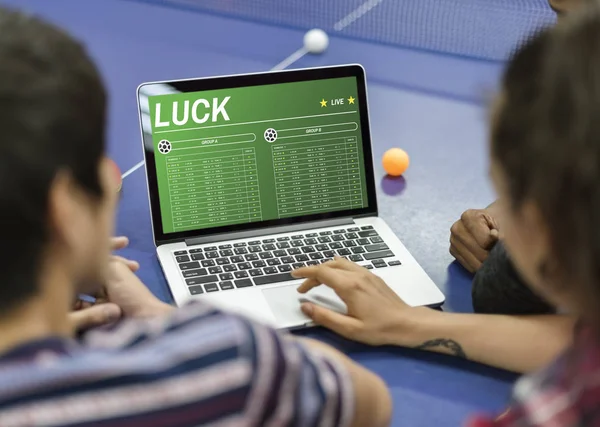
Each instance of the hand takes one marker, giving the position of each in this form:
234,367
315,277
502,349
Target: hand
376,315
124,289
87,315
472,237
121,242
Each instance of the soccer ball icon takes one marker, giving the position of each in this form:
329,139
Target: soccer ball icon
270,135
164,146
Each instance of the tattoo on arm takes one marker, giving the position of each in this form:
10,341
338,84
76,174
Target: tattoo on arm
451,346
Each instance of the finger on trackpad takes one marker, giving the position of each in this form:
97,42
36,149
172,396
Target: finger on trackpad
283,301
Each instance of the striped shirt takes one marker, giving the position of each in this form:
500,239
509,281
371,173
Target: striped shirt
198,366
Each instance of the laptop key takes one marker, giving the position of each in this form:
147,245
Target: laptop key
229,267
335,245
251,257
367,227
195,250
338,238
324,260
302,258
284,268
270,270
378,255
226,246
208,263
396,262
283,245
244,266
195,273
226,276
212,255
239,244
340,231
325,239
358,250
180,253
297,265
288,260
376,247
353,229
201,280
308,249
273,261
226,252
351,236
356,258
376,239
254,243
312,234
269,241
294,251
196,290
198,257
368,267
269,247
189,265
297,236
240,251
273,278
182,258
363,241
368,233
329,254
344,252
326,233
311,263
265,255
215,270
244,283
316,255
379,264
280,253
237,259
240,274
321,247
211,287
349,243
225,286
256,272
259,264
255,249
222,261
309,242
210,249
297,243
283,239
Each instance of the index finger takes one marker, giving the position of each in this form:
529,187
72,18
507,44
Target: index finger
118,242
321,275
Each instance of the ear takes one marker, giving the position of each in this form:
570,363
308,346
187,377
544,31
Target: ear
62,208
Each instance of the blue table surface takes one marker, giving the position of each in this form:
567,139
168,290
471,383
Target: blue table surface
432,105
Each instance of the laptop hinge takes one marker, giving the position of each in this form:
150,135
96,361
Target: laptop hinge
268,231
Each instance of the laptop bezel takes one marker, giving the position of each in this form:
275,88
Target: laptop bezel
259,79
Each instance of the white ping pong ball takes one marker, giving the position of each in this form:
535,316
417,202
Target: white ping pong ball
316,41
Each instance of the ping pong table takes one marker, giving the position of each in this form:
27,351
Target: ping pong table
430,104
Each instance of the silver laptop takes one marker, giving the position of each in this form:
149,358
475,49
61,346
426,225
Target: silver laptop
252,176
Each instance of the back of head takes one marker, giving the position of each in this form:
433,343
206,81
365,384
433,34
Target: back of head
546,139
52,114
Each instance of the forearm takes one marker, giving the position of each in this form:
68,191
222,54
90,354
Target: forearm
515,343
373,405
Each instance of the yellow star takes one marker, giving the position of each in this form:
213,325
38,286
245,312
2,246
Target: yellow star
323,103
350,100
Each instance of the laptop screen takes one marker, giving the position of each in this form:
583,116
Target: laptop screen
252,154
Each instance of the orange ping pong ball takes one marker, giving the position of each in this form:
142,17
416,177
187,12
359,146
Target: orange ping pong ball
395,161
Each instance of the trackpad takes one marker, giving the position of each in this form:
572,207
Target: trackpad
285,305
285,301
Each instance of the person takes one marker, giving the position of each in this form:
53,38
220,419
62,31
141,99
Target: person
155,365
545,163
475,243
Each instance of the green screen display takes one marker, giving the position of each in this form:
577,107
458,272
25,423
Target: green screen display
249,154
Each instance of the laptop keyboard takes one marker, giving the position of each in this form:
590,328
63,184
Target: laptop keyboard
267,261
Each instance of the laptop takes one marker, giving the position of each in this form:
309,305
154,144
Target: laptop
252,176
